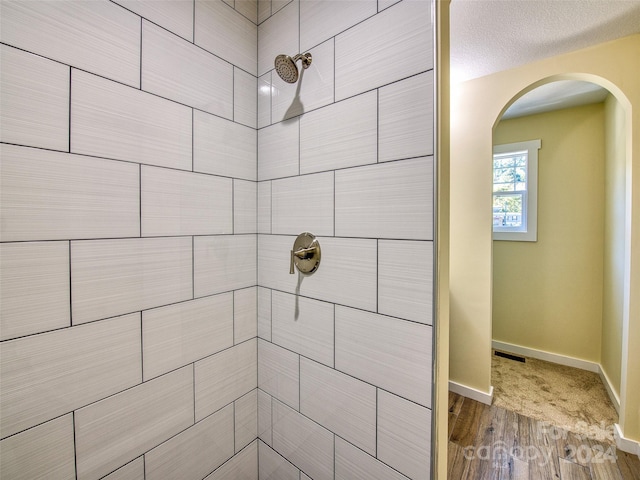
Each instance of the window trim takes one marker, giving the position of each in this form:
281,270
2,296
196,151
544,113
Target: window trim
530,208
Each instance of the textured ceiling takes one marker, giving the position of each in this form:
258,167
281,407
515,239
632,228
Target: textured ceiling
488,36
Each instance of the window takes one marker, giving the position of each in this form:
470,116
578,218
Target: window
515,190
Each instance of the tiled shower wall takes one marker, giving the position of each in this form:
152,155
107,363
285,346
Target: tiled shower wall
344,355
128,254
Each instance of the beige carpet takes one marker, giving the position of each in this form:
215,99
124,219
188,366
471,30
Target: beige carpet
569,398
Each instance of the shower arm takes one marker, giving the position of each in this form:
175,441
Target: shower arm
305,57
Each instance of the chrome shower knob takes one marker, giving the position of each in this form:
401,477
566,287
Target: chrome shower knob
305,254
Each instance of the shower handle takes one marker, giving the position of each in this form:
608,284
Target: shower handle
305,254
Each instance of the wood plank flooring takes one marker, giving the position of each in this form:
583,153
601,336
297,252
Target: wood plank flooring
492,443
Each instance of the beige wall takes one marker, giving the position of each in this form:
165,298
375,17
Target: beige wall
547,295
476,105
614,214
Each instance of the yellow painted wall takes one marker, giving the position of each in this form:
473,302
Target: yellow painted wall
547,295
476,105
612,306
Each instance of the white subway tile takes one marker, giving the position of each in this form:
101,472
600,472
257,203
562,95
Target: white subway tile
245,98
264,10
405,279
222,147
389,46
264,207
279,373
245,208
245,314
264,417
246,419
223,263
406,118
304,326
52,196
185,203
320,20
112,277
278,150
44,376
388,352
115,121
179,70
265,88
341,135
354,464
248,8
131,471
45,451
329,282
278,35
264,313
174,15
273,466
98,36
340,403
291,201
404,436
119,428
313,89
393,200
195,452
224,377
34,100
226,33
182,333
243,466
304,443
35,288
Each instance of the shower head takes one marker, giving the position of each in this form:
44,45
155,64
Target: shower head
286,66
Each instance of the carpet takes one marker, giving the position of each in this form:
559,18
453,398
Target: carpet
566,397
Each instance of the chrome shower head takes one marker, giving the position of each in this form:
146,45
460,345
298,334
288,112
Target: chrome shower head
286,66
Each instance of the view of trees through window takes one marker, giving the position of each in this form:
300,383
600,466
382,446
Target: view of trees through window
509,189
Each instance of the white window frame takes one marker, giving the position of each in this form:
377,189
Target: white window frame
529,232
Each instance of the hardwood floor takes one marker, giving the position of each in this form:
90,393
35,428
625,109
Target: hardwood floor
496,444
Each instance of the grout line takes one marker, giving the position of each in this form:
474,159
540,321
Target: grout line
75,446
70,293
141,350
70,82
141,29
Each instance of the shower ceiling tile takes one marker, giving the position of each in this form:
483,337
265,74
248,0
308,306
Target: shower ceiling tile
179,334
115,121
404,436
329,282
225,148
176,69
406,118
341,403
156,410
245,101
112,277
321,20
224,377
35,288
45,451
274,466
388,352
288,194
175,16
264,10
304,326
278,373
224,32
246,419
243,465
195,452
278,35
185,203
314,88
248,8
351,462
34,100
341,135
99,36
245,314
388,200
278,150
371,54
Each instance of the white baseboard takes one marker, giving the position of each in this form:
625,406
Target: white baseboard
625,444
562,360
472,393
